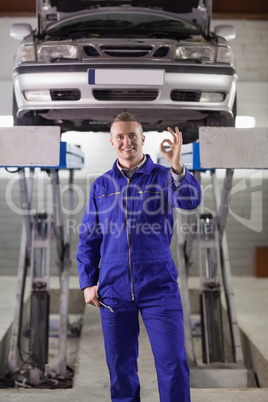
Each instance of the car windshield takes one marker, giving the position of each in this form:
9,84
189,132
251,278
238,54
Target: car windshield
123,25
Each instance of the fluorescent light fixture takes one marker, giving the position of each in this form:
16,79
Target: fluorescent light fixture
6,121
245,122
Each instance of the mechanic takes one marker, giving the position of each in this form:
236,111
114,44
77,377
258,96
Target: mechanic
127,228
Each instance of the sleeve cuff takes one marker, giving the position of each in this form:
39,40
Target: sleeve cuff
177,177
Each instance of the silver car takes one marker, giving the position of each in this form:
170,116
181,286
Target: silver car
89,60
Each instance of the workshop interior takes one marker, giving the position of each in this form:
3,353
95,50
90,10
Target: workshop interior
68,67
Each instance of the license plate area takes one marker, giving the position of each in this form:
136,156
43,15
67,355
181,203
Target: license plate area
126,77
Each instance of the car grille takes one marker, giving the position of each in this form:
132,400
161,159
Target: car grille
177,95
126,51
125,94
91,51
65,94
162,51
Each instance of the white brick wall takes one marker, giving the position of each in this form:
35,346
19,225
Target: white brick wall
252,100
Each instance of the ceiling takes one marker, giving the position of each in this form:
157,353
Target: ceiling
256,9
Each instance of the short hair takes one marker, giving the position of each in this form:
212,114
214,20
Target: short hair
126,116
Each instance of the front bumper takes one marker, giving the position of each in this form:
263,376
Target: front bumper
74,77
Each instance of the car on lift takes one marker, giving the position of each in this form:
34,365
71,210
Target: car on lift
88,60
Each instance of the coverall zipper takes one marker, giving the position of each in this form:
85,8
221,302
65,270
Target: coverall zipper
129,255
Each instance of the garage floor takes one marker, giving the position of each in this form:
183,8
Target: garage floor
91,379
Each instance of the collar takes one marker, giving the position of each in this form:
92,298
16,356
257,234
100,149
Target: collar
130,172
145,166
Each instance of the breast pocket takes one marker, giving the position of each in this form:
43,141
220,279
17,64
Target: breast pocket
108,202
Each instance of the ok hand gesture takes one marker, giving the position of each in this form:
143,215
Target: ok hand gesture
173,156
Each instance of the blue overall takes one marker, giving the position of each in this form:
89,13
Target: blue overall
127,228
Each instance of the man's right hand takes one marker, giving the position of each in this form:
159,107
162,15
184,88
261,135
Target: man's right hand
90,295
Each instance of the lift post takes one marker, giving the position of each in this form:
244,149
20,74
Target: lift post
212,262
230,148
226,148
39,229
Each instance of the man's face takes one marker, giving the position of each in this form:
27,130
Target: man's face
127,140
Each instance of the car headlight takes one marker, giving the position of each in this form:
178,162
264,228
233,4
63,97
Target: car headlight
53,52
26,53
203,54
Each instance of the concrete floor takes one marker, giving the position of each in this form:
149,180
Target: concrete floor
91,379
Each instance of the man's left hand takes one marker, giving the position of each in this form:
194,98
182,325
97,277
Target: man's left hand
173,156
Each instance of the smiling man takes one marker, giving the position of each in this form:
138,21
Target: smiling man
137,273
127,140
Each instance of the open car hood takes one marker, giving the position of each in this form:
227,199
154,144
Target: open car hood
197,12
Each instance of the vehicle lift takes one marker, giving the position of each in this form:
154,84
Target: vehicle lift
214,274
38,231
214,264
224,148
